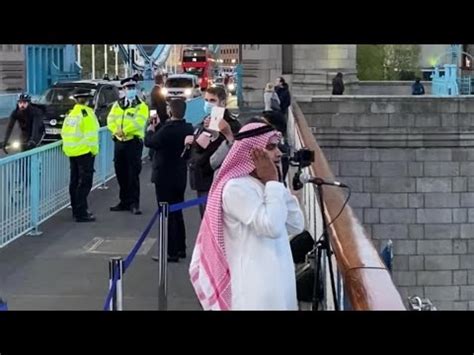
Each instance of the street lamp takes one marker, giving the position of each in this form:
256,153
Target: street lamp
93,61
116,49
105,59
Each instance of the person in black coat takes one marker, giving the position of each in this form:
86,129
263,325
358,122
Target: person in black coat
170,172
158,100
201,173
158,103
30,120
338,84
283,91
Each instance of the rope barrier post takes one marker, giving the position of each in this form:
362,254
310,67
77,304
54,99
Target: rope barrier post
116,271
163,256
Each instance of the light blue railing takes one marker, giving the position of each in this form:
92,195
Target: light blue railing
34,185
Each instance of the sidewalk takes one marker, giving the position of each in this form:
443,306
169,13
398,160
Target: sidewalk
66,268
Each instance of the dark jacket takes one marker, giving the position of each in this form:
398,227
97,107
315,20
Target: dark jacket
31,124
168,142
158,103
337,86
201,173
417,89
283,93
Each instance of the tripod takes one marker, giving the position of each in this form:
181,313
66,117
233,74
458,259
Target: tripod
320,246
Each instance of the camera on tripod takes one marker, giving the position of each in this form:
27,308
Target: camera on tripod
302,158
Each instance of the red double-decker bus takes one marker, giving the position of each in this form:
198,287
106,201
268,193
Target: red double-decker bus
199,61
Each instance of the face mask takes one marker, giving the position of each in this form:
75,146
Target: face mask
121,94
208,107
131,93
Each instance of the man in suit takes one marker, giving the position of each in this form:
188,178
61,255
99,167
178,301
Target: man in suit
170,171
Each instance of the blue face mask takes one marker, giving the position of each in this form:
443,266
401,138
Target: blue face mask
131,93
208,107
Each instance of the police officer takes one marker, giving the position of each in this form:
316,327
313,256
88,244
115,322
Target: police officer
30,119
80,134
126,121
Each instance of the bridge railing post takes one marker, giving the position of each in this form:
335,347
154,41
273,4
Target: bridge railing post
34,174
103,158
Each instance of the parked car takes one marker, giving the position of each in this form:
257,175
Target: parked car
57,101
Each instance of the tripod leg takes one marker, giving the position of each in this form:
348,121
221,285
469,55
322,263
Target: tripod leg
333,283
317,280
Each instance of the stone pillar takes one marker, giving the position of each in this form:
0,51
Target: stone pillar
311,72
261,64
314,67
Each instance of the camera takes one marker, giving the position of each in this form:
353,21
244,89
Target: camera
302,158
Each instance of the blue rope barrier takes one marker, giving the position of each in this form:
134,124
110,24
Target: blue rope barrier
140,241
138,244
187,204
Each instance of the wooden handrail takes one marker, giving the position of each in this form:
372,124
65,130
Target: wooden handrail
367,281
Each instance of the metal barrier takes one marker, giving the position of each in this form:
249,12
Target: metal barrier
34,185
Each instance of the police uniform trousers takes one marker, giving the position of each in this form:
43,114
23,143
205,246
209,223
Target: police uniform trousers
128,165
80,184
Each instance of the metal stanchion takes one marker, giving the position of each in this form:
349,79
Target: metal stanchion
116,269
163,256
3,305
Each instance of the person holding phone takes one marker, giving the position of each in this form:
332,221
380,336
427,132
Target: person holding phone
205,142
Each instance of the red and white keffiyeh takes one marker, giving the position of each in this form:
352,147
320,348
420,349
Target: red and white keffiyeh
209,269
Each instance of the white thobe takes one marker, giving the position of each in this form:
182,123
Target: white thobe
257,221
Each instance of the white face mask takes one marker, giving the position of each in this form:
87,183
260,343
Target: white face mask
121,94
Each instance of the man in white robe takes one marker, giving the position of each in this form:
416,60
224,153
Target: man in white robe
242,258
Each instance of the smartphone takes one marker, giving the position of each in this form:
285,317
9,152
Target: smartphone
217,114
152,113
204,139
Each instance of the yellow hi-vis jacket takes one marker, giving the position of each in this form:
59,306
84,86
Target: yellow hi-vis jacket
131,121
80,132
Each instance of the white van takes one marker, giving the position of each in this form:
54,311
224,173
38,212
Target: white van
181,86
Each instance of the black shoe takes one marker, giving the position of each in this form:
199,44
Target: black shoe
88,213
182,254
173,259
119,207
135,210
88,218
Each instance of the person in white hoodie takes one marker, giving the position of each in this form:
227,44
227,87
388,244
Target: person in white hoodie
270,98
